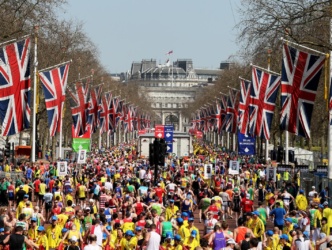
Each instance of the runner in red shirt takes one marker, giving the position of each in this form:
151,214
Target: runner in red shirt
214,209
36,186
247,205
159,192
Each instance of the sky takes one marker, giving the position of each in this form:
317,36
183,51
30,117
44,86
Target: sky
131,30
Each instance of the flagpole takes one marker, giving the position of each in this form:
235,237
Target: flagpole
34,128
268,68
329,170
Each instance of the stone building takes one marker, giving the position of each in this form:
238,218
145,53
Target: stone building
172,87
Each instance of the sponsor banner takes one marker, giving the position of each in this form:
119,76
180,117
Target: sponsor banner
246,144
159,131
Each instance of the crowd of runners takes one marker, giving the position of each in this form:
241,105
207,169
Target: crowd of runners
114,202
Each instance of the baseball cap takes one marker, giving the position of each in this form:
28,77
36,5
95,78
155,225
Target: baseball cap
284,236
301,191
179,220
54,217
159,184
138,229
306,234
255,213
326,203
109,228
73,238
193,233
320,206
129,233
169,235
289,220
313,187
269,232
184,214
230,241
2,230
40,228
269,190
191,219
64,230
248,196
171,201
21,186
26,196
177,237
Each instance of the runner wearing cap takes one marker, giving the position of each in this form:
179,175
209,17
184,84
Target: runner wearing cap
42,239
190,242
327,213
318,216
257,225
53,233
171,210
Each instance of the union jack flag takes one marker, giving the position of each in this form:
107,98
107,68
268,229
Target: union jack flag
15,87
263,94
113,112
243,119
128,119
105,111
119,112
54,83
95,100
79,102
223,111
299,81
232,110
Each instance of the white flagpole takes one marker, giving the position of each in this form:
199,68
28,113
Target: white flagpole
34,128
227,140
60,139
268,68
329,173
286,147
234,141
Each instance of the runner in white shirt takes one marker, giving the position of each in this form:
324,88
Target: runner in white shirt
312,194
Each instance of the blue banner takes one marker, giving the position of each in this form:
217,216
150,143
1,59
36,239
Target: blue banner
169,147
168,133
246,144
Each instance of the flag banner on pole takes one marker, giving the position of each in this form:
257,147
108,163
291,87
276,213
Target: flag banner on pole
81,142
113,112
223,111
212,118
246,144
54,83
168,133
263,95
119,113
218,116
299,82
159,131
105,111
95,101
15,87
243,117
232,110
79,102
128,121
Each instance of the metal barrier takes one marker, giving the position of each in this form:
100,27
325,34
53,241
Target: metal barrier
11,175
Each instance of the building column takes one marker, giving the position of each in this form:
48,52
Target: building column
162,117
180,122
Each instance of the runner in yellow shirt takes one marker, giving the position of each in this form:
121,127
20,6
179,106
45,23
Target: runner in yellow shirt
191,243
42,238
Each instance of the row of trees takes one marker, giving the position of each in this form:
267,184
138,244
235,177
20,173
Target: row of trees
59,41
262,24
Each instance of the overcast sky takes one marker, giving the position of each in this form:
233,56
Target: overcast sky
131,30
